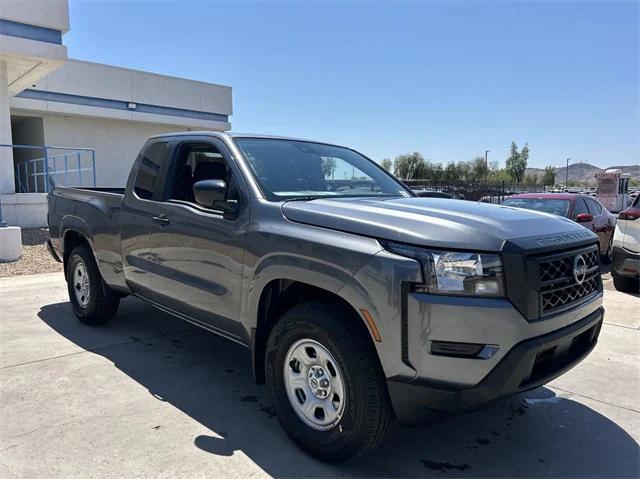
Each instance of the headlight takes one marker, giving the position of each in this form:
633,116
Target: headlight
454,272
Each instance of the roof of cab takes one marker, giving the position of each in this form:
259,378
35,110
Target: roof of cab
230,134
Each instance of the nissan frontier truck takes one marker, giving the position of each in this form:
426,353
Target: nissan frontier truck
362,305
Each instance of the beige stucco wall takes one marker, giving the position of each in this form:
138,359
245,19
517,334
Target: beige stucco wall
117,142
78,77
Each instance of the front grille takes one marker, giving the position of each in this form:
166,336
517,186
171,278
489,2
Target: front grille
556,299
559,287
562,268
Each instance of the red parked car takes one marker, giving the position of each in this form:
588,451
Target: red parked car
581,208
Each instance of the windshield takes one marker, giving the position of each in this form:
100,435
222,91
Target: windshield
556,207
289,169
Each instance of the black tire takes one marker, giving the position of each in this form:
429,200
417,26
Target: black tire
102,303
607,257
367,416
626,284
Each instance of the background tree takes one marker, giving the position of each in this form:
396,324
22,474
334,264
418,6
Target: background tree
517,162
387,164
524,155
478,168
451,172
494,168
437,171
328,167
422,171
549,176
464,170
530,180
405,165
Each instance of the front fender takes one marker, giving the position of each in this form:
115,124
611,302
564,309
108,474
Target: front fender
282,266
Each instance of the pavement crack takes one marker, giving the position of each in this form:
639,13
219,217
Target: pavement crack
594,399
622,326
77,421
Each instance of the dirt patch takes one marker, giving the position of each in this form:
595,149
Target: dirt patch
35,258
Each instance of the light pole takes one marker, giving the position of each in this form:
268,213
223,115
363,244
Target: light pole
486,164
566,176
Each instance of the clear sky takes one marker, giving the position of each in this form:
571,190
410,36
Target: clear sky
449,79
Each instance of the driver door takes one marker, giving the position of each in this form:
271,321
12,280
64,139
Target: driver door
198,251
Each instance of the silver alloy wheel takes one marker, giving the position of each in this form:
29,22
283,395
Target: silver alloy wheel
314,384
81,284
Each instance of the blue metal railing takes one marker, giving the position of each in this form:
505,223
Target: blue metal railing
40,175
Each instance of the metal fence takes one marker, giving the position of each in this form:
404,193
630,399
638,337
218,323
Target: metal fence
473,190
72,167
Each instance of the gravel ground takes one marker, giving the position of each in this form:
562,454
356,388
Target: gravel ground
35,258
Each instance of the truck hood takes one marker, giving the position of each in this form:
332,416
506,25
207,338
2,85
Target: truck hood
431,222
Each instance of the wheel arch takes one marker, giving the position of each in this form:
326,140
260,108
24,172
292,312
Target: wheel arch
280,295
72,238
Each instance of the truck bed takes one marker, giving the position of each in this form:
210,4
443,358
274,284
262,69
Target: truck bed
94,212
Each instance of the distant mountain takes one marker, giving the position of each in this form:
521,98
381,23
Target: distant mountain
582,172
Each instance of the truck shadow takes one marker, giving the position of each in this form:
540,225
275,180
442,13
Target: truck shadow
209,379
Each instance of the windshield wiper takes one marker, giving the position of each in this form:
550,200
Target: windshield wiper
303,198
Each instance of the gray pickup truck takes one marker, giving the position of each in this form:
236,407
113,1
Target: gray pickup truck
361,304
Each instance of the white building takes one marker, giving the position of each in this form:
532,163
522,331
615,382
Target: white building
97,112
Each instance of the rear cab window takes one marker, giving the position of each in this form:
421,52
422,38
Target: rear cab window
151,162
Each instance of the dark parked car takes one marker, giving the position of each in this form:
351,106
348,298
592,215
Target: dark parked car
583,209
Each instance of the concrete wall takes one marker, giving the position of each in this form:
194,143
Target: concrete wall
89,79
88,89
43,13
27,210
116,142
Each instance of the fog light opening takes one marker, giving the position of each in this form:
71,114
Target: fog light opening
463,350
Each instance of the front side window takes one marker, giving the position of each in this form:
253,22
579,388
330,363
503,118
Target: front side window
556,207
594,207
196,162
287,169
581,208
151,161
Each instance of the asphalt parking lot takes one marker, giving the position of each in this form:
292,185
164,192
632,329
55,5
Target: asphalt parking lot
151,396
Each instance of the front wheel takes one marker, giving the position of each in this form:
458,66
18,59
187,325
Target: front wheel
326,384
92,301
626,284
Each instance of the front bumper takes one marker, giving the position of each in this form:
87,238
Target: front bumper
527,365
625,262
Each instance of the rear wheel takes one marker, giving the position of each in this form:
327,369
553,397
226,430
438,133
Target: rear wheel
92,301
326,384
626,284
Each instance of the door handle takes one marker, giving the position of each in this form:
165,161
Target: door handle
162,220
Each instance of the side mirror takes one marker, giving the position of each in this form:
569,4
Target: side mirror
209,192
584,218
